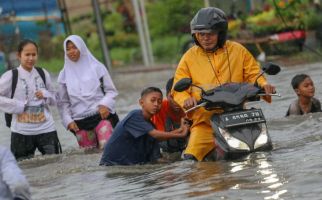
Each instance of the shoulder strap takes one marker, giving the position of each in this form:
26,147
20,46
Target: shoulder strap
14,81
102,85
41,73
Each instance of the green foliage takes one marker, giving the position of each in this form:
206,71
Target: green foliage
264,23
123,39
93,44
264,30
169,26
122,56
171,17
116,35
113,23
297,13
53,65
57,46
169,48
312,19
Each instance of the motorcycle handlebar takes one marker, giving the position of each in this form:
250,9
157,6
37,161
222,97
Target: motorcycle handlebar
262,93
203,103
199,104
273,94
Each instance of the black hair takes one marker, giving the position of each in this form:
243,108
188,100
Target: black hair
149,90
69,41
169,85
24,42
298,79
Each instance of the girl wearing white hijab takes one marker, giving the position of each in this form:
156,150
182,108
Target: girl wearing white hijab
86,97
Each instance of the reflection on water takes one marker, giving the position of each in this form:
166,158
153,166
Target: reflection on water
290,171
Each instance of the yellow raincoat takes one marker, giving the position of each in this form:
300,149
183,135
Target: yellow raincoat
232,63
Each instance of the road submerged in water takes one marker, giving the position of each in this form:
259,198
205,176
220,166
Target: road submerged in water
290,171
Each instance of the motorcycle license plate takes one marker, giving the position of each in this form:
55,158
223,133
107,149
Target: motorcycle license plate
242,118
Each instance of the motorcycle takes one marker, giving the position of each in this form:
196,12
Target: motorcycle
238,131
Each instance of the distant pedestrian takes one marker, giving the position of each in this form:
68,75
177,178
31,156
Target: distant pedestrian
27,92
305,103
86,95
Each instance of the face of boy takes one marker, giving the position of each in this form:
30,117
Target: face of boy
72,52
306,88
173,105
151,103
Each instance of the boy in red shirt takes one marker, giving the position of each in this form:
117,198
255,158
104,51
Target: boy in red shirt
169,119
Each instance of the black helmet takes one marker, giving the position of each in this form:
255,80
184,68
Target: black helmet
210,20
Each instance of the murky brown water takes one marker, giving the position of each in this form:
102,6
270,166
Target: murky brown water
292,170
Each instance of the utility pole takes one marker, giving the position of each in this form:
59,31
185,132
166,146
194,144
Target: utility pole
64,16
146,33
206,3
138,22
101,34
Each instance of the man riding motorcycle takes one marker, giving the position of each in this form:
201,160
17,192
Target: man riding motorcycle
213,61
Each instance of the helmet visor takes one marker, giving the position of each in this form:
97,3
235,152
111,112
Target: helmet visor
204,31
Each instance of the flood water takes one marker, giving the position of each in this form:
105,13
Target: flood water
292,170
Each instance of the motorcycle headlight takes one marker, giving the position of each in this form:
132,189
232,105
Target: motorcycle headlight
262,138
233,142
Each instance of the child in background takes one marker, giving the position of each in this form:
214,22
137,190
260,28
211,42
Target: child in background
169,119
135,139
306,103
32,126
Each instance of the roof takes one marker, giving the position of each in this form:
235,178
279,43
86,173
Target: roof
29,18
27,6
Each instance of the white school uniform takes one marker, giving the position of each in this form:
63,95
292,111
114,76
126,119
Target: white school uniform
27,84
79,93
12,181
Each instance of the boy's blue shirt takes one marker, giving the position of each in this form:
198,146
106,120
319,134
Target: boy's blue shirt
130,142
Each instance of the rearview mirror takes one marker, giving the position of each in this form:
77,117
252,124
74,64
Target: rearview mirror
183,84
271,68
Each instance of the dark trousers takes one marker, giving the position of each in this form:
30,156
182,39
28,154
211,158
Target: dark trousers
24,146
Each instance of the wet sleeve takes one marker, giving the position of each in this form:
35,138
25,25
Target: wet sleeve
252,70
49,91
137,126
13,176
64,104
110,92
6,103
181,72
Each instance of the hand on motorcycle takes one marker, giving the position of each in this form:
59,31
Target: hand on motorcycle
269,89
189,103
